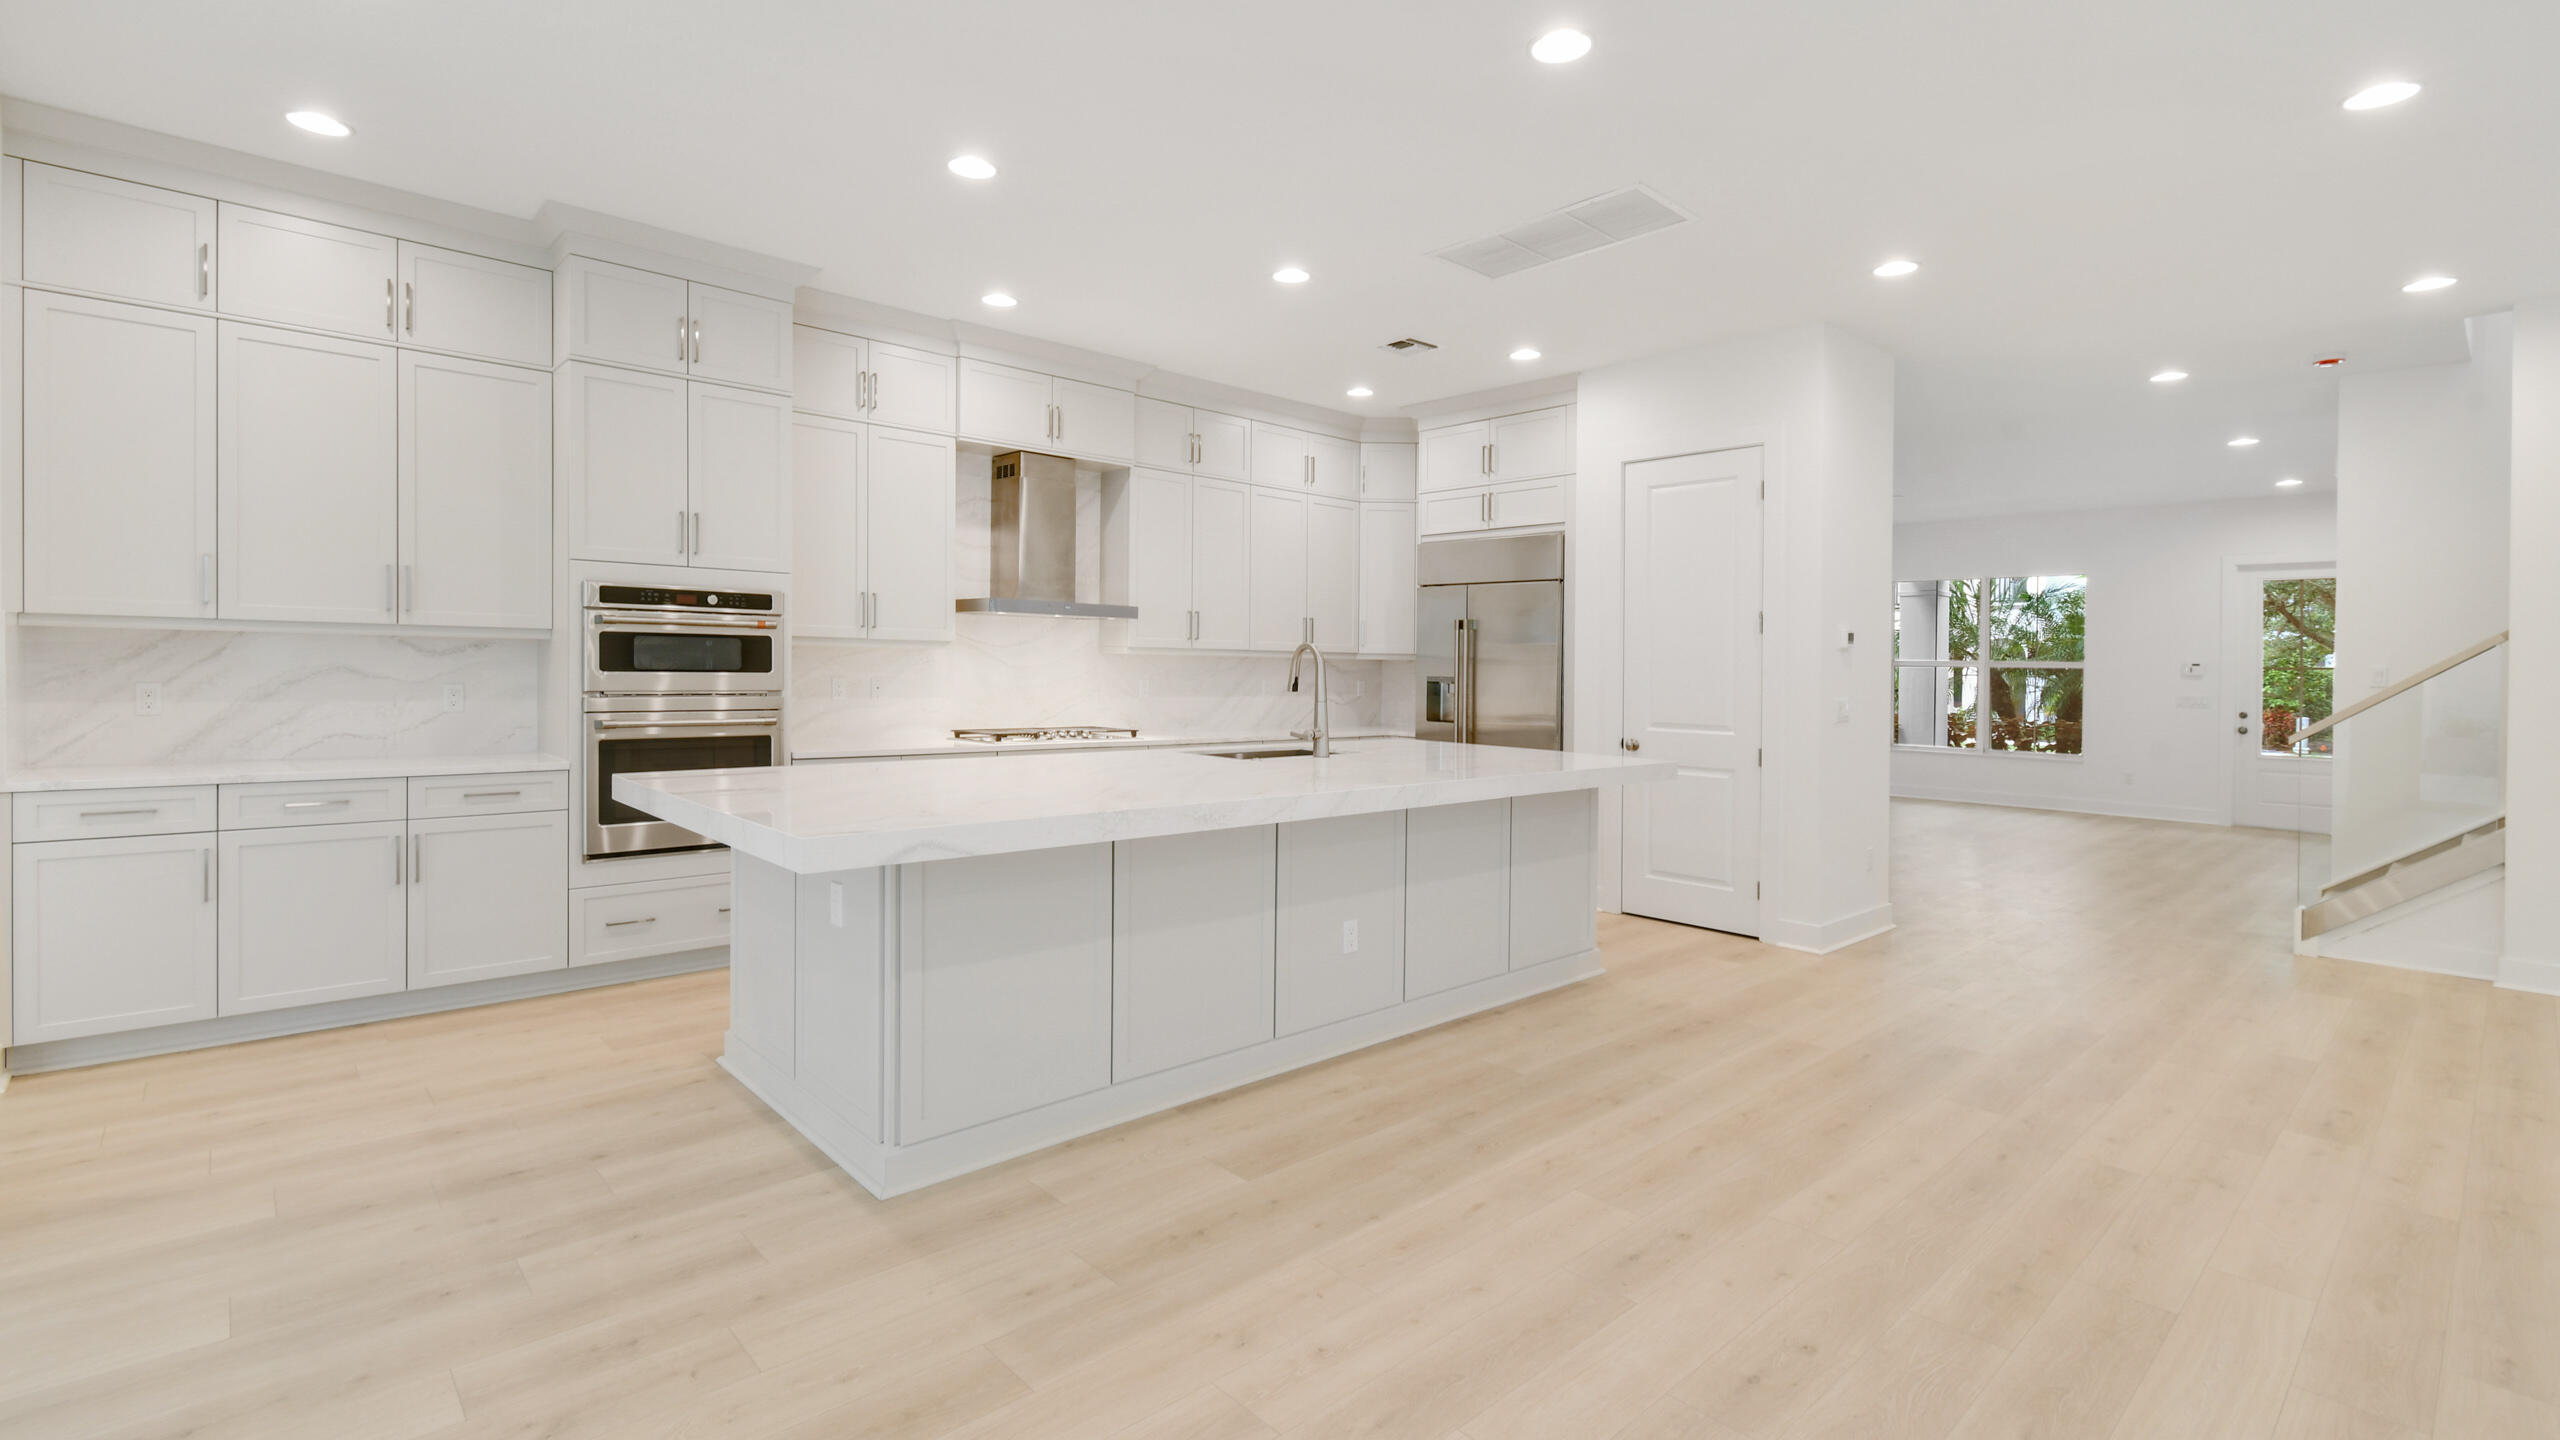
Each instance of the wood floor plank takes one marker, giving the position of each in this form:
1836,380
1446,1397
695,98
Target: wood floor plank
2222,1373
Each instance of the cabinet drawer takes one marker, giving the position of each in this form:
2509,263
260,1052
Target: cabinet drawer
312,802
627,922
438,795
93,814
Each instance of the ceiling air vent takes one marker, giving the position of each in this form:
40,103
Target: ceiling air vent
1408,343
1579,229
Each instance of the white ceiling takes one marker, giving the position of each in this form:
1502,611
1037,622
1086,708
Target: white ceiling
2094,191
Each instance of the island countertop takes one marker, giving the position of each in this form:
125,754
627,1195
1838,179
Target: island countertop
813,819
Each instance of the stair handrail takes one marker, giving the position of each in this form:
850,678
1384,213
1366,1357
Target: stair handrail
2401,687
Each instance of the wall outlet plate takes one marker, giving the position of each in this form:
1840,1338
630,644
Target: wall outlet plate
874,688
835,688
453,698
146,698
1350,937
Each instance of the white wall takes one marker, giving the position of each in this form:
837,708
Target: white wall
2155,744
1820,404
2533,769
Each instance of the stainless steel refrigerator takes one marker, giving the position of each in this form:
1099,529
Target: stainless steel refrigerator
1489,649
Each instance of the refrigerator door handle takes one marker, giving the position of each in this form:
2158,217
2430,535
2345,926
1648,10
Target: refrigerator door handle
1463,683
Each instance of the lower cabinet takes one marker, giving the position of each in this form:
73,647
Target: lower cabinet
1554,911
1341,921
312,913
1191,948
1457,871
652,917
112,935
487,897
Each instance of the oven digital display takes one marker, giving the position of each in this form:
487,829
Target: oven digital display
688,654
652,598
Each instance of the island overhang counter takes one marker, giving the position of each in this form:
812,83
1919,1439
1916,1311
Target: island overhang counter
937,965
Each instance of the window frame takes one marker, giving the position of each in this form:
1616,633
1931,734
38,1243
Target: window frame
1982,665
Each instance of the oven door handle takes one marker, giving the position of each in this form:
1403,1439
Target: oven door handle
612,620
741,724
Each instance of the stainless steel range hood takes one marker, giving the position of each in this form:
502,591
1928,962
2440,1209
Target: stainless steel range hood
1031,559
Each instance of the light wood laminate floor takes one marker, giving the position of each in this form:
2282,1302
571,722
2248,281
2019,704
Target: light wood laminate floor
2078,1151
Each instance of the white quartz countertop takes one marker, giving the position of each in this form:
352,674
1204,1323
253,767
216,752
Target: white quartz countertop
251,772
811,819
923,748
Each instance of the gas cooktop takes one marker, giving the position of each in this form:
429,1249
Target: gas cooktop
1044,732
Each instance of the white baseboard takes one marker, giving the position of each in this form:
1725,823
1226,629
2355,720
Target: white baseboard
1830,935
268,1024
2542,977
2069,805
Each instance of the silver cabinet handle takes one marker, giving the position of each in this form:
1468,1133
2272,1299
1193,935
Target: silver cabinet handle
208,874
697,533
724,909
408,589
397,875
408,308
681,541
204,576
491,794
1493,458
680,328
1062,422
643,920
111,814
417,858
204,270
697,342
315,804
390,304
389,602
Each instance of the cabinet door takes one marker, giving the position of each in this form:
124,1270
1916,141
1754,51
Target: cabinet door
827,533
1336,472
1004,1000
1533,446
1457,874
1387,471
474,305
1164,435
311,913
1454,514
310,483
1159,559
1005,406
1222,561
909,505
1387,580
1554,913
1279,457
1225,446
1096,420
1455,456
622,457
120,459
739,339
1537,504
475,493
488,896
87,232
300,272
1341,928
111,935
1333,574
620,315
827,372
1279,571
740,448
911,389
1191,955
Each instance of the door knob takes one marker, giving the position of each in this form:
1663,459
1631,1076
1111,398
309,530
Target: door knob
1630,744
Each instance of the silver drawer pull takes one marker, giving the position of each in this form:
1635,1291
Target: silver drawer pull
724,909
314,804
112,814
491,794
643,920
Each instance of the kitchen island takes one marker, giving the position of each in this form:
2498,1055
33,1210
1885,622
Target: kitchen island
940,964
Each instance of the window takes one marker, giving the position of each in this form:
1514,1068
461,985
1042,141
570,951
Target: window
2298,663
1991,663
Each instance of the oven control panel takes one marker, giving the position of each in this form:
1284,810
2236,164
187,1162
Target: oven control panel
652,598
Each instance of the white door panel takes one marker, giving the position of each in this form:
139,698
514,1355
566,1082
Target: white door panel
910,389
87,232
450,300
301,272
1222,561
475,493
828,582
622,457
907,487
309,439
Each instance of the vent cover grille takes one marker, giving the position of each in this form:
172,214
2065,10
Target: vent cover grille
1408,343
1579,229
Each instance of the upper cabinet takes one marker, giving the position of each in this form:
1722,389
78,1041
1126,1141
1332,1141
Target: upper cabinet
625,316
1388,559
113,237
1020,409
1386,471
738,465
852,378
1532,445
309,440
663,471
293,271
1286,459
1456,456
871,516
475,493
472,305
1192,442
1179,548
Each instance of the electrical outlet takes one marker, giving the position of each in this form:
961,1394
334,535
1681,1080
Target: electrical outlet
1840,712
835,688
146,698
452,698
1350,937
874,688
1871,859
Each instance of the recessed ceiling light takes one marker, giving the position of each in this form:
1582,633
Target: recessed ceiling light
1290,275
998,299
1359,392
1524,353
2288,482
1896,269
2425,283
2374,97
2168,377
317,123
2241,442
1559,47
972,167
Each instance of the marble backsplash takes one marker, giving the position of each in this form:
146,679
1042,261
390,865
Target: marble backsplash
260,695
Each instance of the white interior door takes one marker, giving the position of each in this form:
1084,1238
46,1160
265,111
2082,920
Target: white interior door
1691,844
2271,787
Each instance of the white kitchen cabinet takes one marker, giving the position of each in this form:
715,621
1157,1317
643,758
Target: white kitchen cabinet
1004,995
113,237
103,814
1221,564
1007,407
1534,445
111,935
737,338
488,896
871,514
475,493
1095,421
1457,903
1191,948
852,378
502,793
830,373
1333,470
473,305
912,389
1453,512
1333,575
266,804
310,913
1278,571
1387,470
1388,598
1192,442
1341,919
620,315
303,272
1501,507
622,458
1281,457
309,441
1164,438
1179,548
649,917
120,458
738,463
1456,456
1553,910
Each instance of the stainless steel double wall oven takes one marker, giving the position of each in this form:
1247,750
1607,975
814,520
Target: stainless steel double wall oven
676,680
